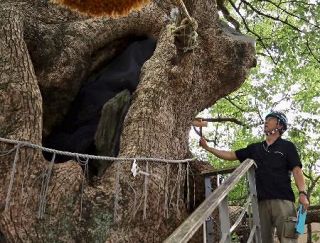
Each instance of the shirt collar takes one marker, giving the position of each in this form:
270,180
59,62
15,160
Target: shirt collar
275,142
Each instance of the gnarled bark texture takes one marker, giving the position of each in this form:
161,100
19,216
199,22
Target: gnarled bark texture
47,53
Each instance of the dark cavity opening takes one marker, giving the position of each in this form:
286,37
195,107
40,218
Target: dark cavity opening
94,121
2,238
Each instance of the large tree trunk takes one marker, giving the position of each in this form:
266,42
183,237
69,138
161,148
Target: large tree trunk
46,54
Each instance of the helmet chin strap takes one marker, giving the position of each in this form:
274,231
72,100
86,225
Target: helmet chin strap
273,131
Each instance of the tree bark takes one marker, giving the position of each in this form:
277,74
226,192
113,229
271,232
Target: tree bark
47,52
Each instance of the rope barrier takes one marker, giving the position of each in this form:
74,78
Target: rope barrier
83,159
87,156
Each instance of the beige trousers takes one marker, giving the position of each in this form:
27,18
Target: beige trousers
280,215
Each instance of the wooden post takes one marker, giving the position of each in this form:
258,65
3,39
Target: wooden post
224,221
208,226
254,202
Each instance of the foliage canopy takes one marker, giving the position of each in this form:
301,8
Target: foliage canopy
286,79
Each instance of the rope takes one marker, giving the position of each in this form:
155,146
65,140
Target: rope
187,29
45,187
166,193
178,189
135,203
145,192
188,188
185,10
5,153
87,156
13,171
86,174
117,192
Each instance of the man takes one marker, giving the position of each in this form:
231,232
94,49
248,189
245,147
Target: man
276,160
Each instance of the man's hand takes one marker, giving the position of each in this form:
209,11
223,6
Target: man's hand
203,143
304,201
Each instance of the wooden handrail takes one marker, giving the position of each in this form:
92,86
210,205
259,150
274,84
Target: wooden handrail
244,210
188,228
252,232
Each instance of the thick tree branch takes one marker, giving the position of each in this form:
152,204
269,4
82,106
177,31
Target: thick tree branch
225,119
226,14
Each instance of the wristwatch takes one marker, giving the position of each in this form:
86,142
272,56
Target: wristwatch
304,193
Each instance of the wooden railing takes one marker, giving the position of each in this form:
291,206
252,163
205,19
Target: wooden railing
218,198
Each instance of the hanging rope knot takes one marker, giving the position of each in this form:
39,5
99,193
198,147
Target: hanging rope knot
190,22
186,31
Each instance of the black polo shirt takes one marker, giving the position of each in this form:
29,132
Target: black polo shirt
275,163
